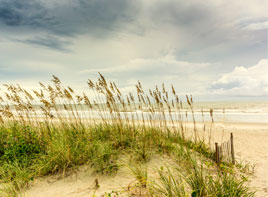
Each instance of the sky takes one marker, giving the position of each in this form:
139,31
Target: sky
212,49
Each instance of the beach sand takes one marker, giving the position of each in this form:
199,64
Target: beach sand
83,182
250,144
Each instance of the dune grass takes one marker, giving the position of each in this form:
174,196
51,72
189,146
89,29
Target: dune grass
37,139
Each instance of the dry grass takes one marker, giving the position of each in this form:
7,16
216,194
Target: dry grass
53,130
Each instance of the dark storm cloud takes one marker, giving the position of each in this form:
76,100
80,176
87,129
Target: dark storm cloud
49,42
23,13
98,18
210,35
201,22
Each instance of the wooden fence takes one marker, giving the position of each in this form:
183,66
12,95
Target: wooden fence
225,151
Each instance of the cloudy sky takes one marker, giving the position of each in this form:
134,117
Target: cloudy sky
213,49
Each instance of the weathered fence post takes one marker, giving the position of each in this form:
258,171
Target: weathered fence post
220,153
232,148
217,153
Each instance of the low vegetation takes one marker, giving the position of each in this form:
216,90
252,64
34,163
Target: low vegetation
55,130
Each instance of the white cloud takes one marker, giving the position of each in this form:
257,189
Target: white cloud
148,64
257,26
251,81
187,77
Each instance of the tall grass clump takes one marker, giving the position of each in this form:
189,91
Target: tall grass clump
54,130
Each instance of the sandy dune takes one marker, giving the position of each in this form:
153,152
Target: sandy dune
251,145
83,182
